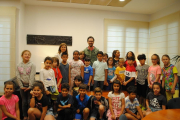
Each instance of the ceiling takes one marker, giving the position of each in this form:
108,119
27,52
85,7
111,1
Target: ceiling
132,6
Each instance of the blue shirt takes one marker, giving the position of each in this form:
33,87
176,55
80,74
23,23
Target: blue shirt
110,73
88,71
131,105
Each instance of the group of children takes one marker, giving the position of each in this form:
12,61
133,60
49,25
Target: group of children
63,85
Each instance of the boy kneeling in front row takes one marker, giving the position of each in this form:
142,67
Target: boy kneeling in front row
98,105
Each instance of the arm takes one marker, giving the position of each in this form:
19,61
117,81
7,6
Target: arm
32,76
163,107
130,112
32,102
157,77
122,106
82,71
44,110
147,104
110,107
4,110
105,81
65,106
140,111
93,76
175,82
114,78
17,111
90,78
42,79
19,78
69,75
132,78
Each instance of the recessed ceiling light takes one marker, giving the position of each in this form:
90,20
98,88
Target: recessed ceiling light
121,0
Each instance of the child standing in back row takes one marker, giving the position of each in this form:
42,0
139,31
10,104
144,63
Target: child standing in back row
116,55
130,54
120,70
88,72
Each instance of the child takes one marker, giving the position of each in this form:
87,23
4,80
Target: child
130,74
116,55
64,68
76,67
77,81
111,70
88,72
39,103
130,54
98,105
25,73
62,49
81,102
120,70
154,71
99,71
65,102
105,57
142,74
170,78
155,101
116,102
133,111
82,56
57,72
9,103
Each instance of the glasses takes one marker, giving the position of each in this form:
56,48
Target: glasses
154,59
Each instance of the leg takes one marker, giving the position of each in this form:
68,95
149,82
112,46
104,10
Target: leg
123,117
85,113
34,113
24,97
176,94
95,84
101,84
49,117
168,95
9,119
68,114
101,111
130,117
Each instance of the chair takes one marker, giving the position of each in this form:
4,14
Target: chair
174,103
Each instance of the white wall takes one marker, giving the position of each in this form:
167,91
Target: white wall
78,23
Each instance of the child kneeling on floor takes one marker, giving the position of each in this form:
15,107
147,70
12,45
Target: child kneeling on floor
98,105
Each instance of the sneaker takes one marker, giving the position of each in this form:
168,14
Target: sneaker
143,108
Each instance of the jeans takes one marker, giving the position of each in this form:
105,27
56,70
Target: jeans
25,101
101,84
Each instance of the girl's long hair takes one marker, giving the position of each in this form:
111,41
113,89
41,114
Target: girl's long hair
116,82
158,62
133,55
113,54
108,61
160,86
79,78
40,85
59,50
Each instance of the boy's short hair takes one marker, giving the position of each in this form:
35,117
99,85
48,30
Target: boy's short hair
90,37
81,52
65,85
64,53
48,58
131,58
87,59
131,89
100,52
141,57
97,89
121,59
82,86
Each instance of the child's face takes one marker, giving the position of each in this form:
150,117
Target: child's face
154,60
26,56
37,91
132,96
121,63
64,58
165,60
116,87
105,57
130,62
82,92
117,54
54,64
81,56
156,89
77,83
8,90
47,64
64,92
100,56
76,55
110,62
87,63
63,48
142,62
98,95
129,54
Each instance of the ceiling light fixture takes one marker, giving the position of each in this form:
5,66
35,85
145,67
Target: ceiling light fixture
121,0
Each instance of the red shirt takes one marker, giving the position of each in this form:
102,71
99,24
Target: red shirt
58,75
126,64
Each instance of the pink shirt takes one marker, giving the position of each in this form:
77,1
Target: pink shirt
10,105
153,72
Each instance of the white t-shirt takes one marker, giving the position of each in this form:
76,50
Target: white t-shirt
48,78
116,100
59,57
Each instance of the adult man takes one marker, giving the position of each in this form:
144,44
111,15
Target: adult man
91,51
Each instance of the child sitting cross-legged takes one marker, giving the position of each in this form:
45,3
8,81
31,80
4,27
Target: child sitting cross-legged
81,102
133,110
65,102
97,105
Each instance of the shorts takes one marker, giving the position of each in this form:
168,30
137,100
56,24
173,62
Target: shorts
78,116
141,89
154,109
95,114
50,112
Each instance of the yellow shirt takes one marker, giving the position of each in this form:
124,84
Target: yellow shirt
120,72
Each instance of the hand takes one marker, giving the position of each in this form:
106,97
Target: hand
150,86
59,109
32,93
88,84
119,114
97,102
27,89
138,117
173,91
113,117
47,92
148,109
106,83
78,111
23,88
125,83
